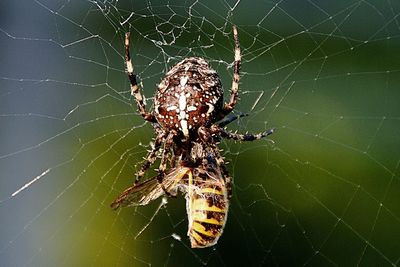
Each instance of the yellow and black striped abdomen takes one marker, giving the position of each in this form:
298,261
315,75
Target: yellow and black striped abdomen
207,208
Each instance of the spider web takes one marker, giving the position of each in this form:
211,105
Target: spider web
325,74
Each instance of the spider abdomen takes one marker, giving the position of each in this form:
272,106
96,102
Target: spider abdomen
189,96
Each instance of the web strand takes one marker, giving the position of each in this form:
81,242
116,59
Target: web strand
325,76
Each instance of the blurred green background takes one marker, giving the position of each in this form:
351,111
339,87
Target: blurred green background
325,74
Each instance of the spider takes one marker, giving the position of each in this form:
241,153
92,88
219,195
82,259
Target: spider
189,118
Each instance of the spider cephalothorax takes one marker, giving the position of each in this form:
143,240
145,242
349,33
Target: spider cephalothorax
189,96
188,118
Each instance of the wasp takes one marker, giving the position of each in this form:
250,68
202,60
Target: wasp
206,194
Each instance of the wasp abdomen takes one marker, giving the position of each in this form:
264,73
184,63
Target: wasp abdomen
207,210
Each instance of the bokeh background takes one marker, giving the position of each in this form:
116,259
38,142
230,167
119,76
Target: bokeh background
325,74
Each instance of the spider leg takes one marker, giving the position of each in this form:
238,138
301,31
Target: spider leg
135,89
231,118
225,172
228,180
240,137
228,107
150,158
164,159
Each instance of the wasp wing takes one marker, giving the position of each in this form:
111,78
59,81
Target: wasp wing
143,193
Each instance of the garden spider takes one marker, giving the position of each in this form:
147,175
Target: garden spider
188,118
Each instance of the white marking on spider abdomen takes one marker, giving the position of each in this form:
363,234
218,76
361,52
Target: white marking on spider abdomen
183,81
184,127
171,108
210,108
182,101
182,112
